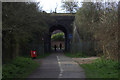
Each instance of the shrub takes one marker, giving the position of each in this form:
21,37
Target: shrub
19,68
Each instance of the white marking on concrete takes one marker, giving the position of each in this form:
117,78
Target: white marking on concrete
60,74
61,70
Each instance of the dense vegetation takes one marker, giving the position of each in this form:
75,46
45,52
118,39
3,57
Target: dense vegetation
98,23
24,26
96,31
58,37
101,68
19,68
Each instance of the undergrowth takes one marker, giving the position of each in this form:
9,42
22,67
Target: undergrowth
19,68
102,68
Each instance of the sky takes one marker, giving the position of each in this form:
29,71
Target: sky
50,5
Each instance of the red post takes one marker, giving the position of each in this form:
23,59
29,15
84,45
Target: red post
33,54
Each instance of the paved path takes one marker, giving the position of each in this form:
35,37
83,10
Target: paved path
58,66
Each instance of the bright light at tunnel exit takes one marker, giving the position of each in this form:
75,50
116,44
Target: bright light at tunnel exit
58,40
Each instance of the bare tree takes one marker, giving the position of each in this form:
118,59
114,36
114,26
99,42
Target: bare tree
70,6
56,8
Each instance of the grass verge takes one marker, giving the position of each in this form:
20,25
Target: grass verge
101,68
19,68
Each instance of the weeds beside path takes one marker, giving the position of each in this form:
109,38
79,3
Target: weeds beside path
97,67
19,68
101,68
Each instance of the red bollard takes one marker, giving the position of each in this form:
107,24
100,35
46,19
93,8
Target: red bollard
33,54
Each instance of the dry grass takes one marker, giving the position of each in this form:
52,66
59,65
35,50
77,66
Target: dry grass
85,60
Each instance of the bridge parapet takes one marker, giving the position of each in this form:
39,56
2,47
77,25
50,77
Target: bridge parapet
62,14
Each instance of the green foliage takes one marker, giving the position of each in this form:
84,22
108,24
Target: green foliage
102,68
70,6
85,17
23,19
76,55
58,37
98,23
24,26
19,68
